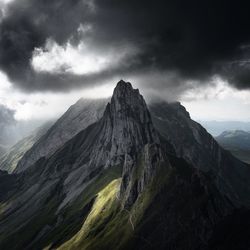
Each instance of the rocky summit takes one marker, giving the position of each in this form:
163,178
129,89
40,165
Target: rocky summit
126,175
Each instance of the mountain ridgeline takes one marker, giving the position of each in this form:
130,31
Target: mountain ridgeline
124,175
237,142
77,117
9,161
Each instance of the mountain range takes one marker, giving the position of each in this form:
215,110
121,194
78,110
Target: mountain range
3,150
216,128
11,157
121,174
237,142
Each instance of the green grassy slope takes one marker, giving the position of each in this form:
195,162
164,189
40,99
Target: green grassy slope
178,210
111,226
50,228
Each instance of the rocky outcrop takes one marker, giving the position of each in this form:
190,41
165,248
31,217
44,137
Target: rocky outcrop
131,123
135,139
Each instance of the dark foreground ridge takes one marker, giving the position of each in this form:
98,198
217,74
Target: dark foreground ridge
132,178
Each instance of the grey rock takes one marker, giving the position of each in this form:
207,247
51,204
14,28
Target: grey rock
123,131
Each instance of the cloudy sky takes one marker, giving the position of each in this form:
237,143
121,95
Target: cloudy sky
52,52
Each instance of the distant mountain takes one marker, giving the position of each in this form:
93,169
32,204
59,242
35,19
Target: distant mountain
236,141
10,159
217,127
3,150
7,121
136,177
12,130
78,117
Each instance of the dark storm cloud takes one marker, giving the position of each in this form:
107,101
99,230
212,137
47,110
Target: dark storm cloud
27,26
194,39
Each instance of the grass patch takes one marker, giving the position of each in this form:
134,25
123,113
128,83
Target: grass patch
74,215
108,225
105,205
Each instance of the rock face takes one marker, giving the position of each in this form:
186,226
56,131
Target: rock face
130,121
117,139
134,139
78,117
125,128
131,179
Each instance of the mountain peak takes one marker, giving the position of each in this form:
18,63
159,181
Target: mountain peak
124,88
123,83
125,99
129,113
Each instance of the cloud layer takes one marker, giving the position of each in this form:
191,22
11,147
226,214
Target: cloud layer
192,40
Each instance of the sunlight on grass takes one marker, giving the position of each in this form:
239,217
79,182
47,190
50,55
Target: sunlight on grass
100,212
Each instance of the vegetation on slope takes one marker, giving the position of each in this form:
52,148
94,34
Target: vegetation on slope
105,206
179,209
109,225
50,227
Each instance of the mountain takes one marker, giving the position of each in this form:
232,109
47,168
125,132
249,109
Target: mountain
138,177
237,142
3,150
192,142
237,138
215,128
12,130
10,159
78,117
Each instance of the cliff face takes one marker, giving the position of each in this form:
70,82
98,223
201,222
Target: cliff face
132,179
135,138
119,138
